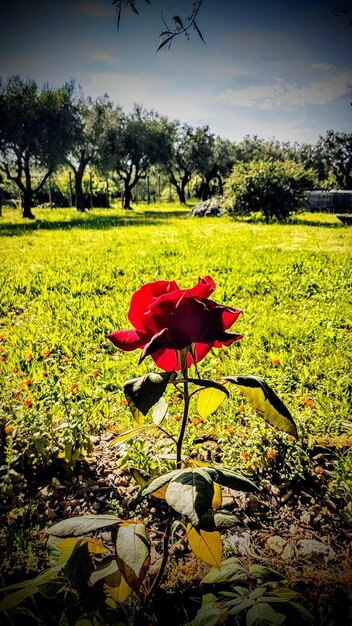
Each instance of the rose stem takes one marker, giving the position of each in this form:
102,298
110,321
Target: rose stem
179,442
165,557
186,398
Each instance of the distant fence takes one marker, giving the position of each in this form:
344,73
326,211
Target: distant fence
329,201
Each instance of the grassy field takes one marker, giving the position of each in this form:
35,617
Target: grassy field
67,279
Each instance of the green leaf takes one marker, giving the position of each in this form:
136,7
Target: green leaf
264,572
129,434
265,402
160,411
52,589
239,605
190,492
209,614
14,599
228,478
262,615
165,42
209,401
107,567
81,525
133,553
178,20
305,616
157,483
218,520
230,572
257,593
77,567
142,393
199,33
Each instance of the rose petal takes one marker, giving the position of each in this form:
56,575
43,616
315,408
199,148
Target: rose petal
229,316
167,360
142,299
227,339
203,288
202,350
127,339
156,343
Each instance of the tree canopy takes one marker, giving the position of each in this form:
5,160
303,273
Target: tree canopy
37,130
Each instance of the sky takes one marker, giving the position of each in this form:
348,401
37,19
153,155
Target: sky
276,69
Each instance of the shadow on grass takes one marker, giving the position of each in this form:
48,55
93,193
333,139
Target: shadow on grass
293,221
88,221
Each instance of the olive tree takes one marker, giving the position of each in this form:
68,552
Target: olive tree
37,130
132,144
93,117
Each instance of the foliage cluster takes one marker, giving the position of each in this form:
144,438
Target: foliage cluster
44,130
275,188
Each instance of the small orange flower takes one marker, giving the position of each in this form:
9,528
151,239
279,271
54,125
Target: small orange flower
9,430
44,373
28,382
2,338
245,455
290,438
28,356
319,470
23,387
124,402
271,454
74,385
196,420
175,400
45,352
230,430
96,372
19,373
4,359
177,418
307,402
276,360
241,408
65,358
28,402
2,349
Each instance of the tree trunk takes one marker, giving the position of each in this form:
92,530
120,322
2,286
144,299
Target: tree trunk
220,185
80,204
180,188
205,189
127,195
27,205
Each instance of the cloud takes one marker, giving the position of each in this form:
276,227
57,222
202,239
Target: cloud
281,93
100,56
325,67
93,8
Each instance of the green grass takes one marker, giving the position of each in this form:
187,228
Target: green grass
67,279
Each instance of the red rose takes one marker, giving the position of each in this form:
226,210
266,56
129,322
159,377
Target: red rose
168,319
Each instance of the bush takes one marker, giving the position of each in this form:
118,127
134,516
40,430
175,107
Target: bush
276,188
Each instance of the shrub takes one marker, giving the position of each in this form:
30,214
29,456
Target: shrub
276,188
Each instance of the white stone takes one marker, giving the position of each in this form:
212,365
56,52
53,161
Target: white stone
240,543
313,549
